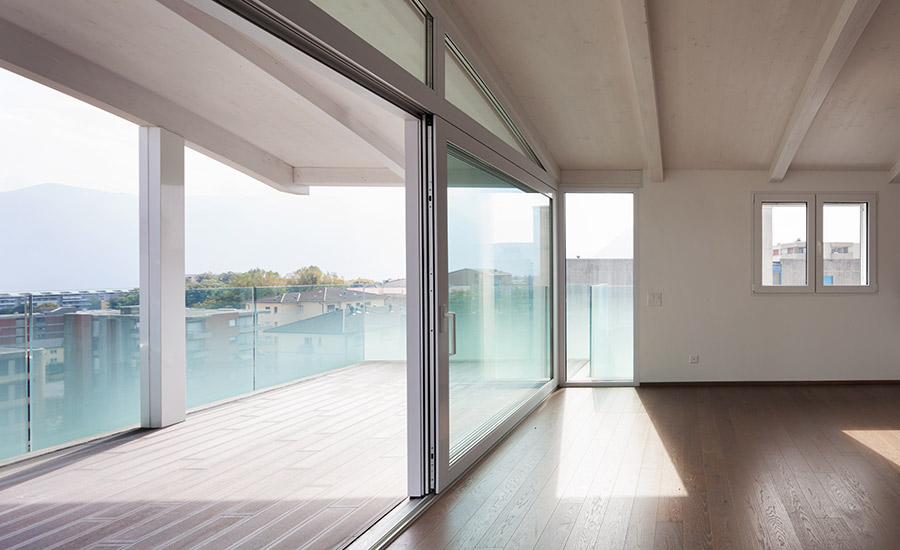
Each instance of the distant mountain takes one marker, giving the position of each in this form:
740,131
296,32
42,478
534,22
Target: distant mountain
61,237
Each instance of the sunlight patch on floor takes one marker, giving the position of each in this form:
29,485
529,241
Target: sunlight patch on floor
624,458
884,442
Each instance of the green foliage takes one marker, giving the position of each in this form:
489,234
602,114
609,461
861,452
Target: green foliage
232,290
313,275
48,305
12,310
256,277
217,298
306,276
132,298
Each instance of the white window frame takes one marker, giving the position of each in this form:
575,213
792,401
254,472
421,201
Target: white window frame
759,199
871,201
814,243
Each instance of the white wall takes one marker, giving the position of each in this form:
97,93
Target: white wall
695,232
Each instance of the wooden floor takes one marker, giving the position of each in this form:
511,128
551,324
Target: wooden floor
307,466
687,468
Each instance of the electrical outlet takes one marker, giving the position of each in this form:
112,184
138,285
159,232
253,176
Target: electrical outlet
654,299
693,359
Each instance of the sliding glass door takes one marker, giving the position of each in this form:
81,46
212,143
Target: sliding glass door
495,307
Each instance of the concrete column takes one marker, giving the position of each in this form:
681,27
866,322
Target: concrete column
162,278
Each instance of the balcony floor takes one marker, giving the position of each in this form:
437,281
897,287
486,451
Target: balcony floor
279,469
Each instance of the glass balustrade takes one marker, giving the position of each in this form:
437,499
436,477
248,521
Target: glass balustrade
69,367
70,360
245,339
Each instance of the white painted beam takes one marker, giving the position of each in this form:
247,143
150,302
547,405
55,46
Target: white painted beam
894,175
34,57
163,384
849,24
352,128
336,177
601,177
637,34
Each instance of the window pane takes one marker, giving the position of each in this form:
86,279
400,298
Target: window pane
396,27
499,288
784,250
464,91
845,244
600,286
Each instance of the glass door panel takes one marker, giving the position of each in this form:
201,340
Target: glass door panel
498,246
600,287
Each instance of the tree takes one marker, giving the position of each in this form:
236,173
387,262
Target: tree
207,280
313,275
256,277
224,298
132,298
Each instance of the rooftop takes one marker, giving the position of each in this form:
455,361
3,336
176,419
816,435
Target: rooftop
319,295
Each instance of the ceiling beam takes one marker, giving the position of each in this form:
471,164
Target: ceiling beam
894,176
351,127
577,178
332,177
34,57
637,34
849,24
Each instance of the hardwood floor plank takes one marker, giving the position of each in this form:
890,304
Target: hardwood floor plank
601,492
668,536
557,528
454,509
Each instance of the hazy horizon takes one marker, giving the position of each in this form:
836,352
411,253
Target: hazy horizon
221,234
61,240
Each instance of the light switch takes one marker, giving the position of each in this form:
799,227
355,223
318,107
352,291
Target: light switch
654,299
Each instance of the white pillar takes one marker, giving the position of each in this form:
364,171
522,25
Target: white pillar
162,278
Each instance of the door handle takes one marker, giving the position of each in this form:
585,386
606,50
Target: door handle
451,316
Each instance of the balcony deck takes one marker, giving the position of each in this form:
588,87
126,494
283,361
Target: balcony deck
279,469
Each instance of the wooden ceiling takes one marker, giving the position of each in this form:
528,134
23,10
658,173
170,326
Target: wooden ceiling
729,76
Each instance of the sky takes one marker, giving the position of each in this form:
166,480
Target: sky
841,223
599,225
50,137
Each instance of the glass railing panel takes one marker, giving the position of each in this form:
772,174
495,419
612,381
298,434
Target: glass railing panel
385,322
219,327
13,379
85,368
309,329
612,344
578,331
